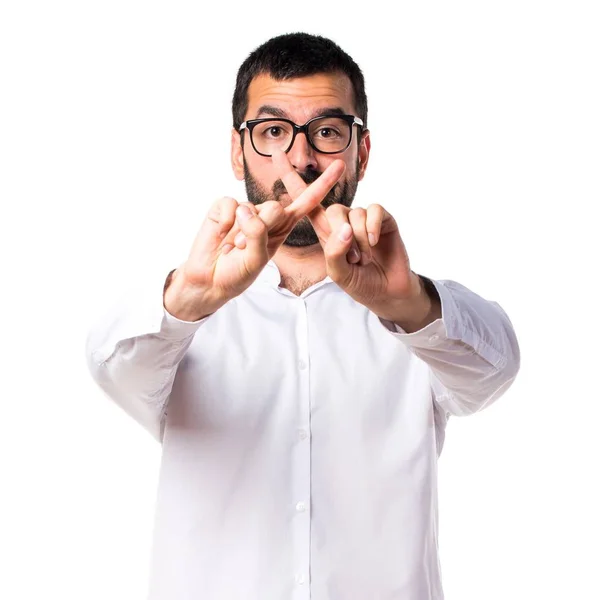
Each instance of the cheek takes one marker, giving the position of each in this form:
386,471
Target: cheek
351,168
262,172
350,158
254,163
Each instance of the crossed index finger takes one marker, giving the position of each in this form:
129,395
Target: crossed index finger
305,198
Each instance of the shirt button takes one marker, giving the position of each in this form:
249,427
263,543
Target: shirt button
300,506
302,434
434,338
302,364
299,579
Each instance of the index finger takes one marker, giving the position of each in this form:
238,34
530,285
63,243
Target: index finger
305,198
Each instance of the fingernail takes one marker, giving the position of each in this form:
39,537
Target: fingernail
372,239
239,238
243,212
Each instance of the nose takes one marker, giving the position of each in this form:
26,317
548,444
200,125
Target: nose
302,155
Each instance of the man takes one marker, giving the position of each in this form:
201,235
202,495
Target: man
298,373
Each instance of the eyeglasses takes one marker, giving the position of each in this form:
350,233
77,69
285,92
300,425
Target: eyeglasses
326,134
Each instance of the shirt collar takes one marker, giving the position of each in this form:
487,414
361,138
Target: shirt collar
272,276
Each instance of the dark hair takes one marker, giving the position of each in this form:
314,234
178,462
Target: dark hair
297,55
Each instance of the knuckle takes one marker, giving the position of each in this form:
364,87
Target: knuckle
226,201
358,215
278,213
227,221
257,227
334,209
251,206
273,206
222,212
271,214
226,205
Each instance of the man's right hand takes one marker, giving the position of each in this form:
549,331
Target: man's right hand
216,270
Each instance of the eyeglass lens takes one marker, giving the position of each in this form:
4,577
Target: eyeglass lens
328,134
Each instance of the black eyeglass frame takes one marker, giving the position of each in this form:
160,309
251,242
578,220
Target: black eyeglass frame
350,119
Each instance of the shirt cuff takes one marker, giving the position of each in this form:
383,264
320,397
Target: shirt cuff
173,327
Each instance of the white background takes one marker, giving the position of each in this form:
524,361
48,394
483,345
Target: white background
114,140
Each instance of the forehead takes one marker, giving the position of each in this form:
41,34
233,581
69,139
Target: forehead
302,96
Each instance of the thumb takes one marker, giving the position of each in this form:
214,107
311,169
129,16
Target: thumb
255,231
336,249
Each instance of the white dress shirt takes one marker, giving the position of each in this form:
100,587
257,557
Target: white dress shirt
300,435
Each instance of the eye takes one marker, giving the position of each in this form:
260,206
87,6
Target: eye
275,131
328,132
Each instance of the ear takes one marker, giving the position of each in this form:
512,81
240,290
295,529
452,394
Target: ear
364,149
237,155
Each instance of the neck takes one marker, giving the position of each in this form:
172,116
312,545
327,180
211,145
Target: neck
305,261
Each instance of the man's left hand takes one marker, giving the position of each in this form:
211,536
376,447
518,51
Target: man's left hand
383,280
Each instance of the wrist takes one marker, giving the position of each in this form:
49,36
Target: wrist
184,301
416,311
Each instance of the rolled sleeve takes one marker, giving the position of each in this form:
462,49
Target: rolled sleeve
472,349
134,349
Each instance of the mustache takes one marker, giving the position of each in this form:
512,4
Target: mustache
308,178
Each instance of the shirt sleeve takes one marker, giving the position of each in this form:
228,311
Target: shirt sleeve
472,350
133,351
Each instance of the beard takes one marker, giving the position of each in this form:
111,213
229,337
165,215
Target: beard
303,233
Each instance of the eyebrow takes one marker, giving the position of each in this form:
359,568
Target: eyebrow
274,111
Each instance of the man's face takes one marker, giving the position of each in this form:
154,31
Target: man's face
299,100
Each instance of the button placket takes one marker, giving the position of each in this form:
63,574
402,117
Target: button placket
301,493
